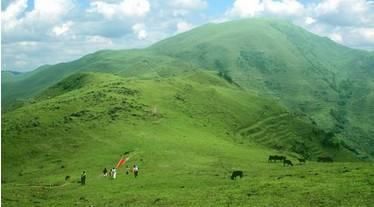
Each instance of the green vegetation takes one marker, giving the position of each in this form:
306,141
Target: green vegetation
191,109
311,75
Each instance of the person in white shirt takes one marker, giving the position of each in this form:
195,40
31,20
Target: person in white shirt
114,173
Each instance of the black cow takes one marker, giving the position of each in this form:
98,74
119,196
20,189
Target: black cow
276,158
67,177
236,173
287,162
324,159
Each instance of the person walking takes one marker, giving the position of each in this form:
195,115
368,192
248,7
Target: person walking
127,170
135,170
83,178
114,173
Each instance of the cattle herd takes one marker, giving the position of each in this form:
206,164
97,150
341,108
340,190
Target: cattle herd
286,162
275,158
281,158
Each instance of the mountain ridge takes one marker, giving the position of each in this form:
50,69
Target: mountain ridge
309,75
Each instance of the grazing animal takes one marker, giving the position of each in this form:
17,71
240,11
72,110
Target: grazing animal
67,177
301,160
275,158
236,173
287,162
324,159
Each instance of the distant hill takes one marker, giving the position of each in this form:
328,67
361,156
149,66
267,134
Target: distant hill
10,76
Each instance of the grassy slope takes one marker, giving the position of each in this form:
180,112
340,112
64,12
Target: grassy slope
135,63
309,74
183,134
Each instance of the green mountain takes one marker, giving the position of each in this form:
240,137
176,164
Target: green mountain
310,75
189,110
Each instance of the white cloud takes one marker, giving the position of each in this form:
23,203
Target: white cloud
250,8
189,4
361,37
27,43
63,29
96,39
47,10
349,22
180,12
336,37
344,12
107,10
367,33
309,20
139,30
13,11
137,8
35,24
283,8
11,14
125,8
182,8
245,8
183,26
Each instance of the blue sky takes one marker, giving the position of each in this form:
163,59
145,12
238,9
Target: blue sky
37,32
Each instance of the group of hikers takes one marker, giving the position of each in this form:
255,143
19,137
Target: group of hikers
113,171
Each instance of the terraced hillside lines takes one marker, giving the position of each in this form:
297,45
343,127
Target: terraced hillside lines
268,130
261,122
277,132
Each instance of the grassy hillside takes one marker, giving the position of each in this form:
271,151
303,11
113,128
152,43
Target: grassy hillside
186,133
134,63
309,74
312,76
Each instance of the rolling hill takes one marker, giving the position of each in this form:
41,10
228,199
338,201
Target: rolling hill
310,75
189,110
186,133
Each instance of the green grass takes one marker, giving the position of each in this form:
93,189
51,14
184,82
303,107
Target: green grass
264,184
183,132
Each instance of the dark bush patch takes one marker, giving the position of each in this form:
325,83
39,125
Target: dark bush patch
79,113
156,200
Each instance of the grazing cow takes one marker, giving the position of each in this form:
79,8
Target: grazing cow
67,177
236,173
324,159
287,162
301,160
276,157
